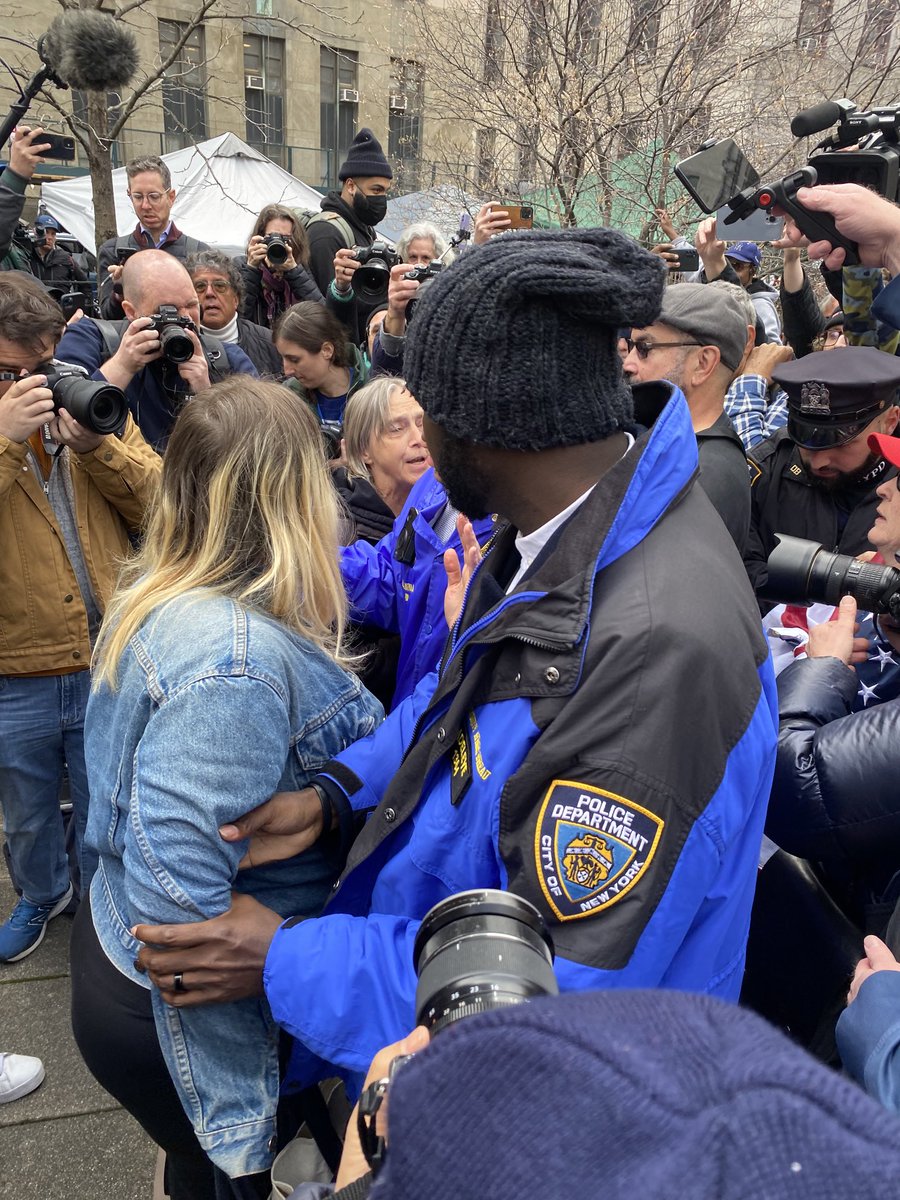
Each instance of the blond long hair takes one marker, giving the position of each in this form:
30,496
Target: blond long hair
246,510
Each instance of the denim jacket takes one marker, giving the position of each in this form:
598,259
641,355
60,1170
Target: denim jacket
216,708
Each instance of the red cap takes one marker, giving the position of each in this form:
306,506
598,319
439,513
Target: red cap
885,445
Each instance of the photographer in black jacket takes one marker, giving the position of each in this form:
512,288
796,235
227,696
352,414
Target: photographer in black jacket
48,261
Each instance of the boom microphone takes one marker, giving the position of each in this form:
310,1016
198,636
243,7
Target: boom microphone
816,119
86,49
89,50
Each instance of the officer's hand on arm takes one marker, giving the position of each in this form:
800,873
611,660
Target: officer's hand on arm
219,960
25,408
400,292
138,347
256,251
353,1163
459,573
489,221
878,958
65,430
836,639
287,824
195,372
345,265
710,249
762,360
26,150
863,216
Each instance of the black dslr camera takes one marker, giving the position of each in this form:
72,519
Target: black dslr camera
475,951
332,432
370,281
177,347
422,276
803,572
278,251
97,406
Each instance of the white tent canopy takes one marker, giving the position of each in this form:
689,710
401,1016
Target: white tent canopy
220,186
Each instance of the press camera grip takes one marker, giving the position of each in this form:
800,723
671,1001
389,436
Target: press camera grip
817,226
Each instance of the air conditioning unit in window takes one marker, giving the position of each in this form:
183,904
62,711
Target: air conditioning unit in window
398,103
348,96
254,83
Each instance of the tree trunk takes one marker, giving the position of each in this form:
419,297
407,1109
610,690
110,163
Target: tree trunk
100,163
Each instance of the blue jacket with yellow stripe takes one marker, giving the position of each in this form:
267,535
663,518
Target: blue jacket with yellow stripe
600,741
398,585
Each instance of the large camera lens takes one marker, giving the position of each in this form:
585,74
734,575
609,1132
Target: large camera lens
177,347
477,951
803,572
277,252
370,281
100,407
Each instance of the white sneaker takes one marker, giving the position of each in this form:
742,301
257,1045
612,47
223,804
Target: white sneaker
19,1075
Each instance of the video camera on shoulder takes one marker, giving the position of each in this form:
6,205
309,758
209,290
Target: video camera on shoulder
370,281
177,347
864,149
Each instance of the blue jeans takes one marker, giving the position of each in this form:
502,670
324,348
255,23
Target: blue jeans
41,732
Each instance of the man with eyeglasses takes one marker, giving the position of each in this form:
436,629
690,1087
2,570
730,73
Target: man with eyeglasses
698,343
130,354
220,289
152,197
817,478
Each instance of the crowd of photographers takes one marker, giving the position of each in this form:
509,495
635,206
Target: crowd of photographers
340,581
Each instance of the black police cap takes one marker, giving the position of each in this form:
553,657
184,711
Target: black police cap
834,394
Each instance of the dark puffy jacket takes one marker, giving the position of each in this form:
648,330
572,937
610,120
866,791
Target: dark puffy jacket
835,797
57,266
256,343
254,307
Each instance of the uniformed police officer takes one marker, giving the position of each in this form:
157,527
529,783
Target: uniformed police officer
816,479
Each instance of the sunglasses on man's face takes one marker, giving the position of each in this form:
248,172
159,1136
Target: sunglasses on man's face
645,346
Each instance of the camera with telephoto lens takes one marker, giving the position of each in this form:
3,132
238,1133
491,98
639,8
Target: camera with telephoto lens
474,952
100,407
277,249
803,572
423,276
332,432
370,281
177,347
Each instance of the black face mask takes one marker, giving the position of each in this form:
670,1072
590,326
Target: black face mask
370,209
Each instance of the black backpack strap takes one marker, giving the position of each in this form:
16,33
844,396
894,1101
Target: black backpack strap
111,332
216,358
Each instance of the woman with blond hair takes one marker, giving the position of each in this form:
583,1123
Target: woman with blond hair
220,677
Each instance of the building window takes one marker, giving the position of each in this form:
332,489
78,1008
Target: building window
183,85
338,108
876,34
814,24
493,44
644,36
486,166
405,104
264,94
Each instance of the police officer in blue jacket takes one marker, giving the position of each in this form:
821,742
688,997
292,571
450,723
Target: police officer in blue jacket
600,736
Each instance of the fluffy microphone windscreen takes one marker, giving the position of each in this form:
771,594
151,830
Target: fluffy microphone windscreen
90,50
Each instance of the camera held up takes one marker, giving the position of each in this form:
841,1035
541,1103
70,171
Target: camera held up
176,346
422,275
97,406
370,281
277,249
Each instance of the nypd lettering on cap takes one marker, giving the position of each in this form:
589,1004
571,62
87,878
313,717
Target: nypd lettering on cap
591,847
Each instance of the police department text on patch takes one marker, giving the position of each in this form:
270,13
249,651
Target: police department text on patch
591,847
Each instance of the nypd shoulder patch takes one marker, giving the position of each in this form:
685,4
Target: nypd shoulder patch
591,847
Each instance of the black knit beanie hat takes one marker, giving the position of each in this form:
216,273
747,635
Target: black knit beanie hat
514,345
365,157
